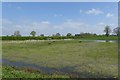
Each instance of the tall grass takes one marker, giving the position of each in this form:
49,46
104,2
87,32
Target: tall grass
91,58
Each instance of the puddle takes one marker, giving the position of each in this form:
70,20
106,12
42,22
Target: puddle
65,70
111,41
23,64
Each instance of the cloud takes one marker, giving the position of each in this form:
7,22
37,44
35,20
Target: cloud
60,15
94,11
70,26
45,22
8,27
101,23
6,22
81,11
104,24
56,15
43,27
47,28
109,15
69,20
18,26
18,7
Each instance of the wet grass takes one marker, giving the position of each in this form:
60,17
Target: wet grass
91,58
12,72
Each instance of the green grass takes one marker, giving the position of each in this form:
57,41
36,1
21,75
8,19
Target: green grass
12,72
97,59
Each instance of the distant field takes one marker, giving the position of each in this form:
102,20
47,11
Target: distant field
87,59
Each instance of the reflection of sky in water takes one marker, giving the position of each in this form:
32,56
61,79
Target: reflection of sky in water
68,69
112,41
0,60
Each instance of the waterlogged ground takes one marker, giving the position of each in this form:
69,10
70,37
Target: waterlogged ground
71,57
13,72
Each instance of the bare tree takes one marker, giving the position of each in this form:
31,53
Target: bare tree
58,34
107,30
17,33
116,31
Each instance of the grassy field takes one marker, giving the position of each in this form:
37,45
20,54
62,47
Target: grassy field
88,59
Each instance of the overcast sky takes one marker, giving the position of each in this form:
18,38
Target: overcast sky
56,17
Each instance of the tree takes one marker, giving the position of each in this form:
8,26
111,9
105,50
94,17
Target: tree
107,30
116,31
57,34
77,34
69,34
33,33
42,35
17,33
53,34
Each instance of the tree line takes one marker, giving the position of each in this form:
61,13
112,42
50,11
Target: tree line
17,35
